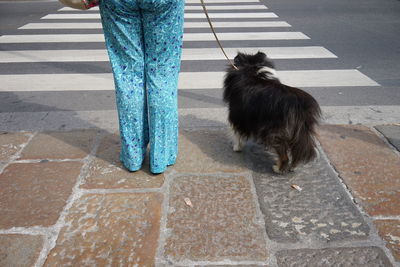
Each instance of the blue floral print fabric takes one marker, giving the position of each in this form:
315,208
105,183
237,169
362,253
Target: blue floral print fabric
144,43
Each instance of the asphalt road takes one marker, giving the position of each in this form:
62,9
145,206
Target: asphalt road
363,35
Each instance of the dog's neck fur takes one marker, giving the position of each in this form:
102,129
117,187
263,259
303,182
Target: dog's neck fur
268,73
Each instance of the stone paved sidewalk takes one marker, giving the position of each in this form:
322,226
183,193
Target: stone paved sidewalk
65,200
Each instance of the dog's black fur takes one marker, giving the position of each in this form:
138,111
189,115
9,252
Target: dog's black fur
277,115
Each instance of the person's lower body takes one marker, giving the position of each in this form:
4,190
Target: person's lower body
144,43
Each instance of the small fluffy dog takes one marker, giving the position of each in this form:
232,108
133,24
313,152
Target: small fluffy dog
274,114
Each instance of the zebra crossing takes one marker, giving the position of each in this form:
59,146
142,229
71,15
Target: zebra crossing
242,25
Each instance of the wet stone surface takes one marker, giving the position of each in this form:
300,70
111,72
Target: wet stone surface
19,250
366,164
321,211
344,257
35,193
60,145
106,170
389,231
221,225
392,134
207,151
109,230
10,143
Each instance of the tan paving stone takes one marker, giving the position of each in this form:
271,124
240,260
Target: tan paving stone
366,164
106,170
10,143
109,230
389,230
207,151
221,224
60,145
35,193
19,250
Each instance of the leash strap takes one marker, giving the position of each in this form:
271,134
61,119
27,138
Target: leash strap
215,35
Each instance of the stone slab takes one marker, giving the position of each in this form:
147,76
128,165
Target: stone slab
321,212
392,134
19,250
11,143
106,170
389,230
109,230
207,151
344,257
34,194
74,144
221,225
366,164
241,265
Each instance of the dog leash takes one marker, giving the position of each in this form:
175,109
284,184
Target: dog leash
215,35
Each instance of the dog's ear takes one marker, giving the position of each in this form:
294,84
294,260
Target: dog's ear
261,55
263,59
239,59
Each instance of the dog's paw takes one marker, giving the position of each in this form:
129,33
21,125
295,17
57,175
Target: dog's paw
276,169
237,148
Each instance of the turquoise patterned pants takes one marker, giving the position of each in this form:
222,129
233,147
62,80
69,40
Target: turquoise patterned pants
144,43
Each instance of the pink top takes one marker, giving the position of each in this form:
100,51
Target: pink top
91,3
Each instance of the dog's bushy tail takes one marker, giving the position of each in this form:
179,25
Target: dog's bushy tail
303,147
302,143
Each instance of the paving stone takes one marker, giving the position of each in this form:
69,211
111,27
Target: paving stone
241,265
321,211
392,133
106,170
35,193
367,165
344,257
207,151
19,250
10,143
109,230
389,230
60,145
222,224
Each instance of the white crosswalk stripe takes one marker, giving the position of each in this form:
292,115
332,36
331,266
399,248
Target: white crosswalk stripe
260,27
297,78
232,15
187,15
228,7
187,80
89,38
188,25
194,7
187,54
